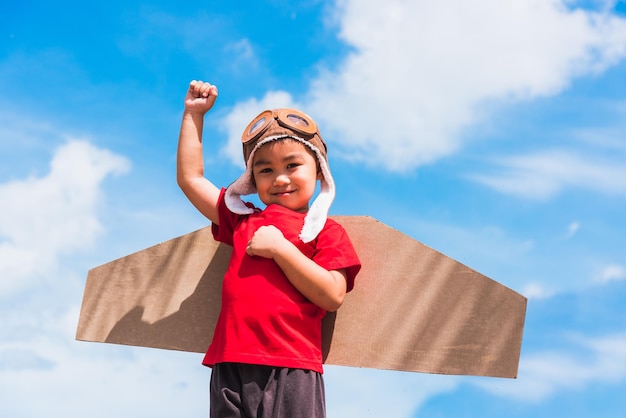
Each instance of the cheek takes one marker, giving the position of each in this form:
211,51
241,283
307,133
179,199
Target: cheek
260,183
317,172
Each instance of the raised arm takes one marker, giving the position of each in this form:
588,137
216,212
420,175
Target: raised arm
189,160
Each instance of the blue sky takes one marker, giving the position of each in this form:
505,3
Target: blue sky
493,131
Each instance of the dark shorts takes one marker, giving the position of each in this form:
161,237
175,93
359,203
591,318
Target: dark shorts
253,391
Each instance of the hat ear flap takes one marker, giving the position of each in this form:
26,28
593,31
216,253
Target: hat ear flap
315,218
243,186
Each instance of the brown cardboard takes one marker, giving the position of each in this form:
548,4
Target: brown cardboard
412,308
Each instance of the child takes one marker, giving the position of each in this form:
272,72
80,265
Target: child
289,265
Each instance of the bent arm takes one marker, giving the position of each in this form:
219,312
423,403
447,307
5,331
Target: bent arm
325,288
189,159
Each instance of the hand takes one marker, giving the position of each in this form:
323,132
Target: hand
200,97
265,242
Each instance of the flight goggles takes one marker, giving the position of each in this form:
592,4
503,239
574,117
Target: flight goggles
281,123
287,118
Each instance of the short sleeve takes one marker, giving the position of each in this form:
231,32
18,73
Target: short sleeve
227,222
334,251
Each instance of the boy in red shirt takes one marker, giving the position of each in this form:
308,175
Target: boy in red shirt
289,266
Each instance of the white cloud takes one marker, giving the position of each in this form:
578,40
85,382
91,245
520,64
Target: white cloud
242,55
42,218
609,138
381,393
536,291
421,71
572,229
546,373
239,117
73,379
612,272
544,174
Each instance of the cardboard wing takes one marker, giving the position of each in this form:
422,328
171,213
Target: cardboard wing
412,308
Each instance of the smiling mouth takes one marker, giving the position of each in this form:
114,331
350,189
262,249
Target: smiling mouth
283,193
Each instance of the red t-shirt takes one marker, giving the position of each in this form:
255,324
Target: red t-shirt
264,318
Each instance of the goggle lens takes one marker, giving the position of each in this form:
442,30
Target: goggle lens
256,126
297,120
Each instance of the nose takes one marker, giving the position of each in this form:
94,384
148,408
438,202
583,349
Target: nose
281,179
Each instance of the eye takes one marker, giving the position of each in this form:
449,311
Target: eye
262,170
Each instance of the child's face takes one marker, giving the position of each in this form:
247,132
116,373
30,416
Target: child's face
285,173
